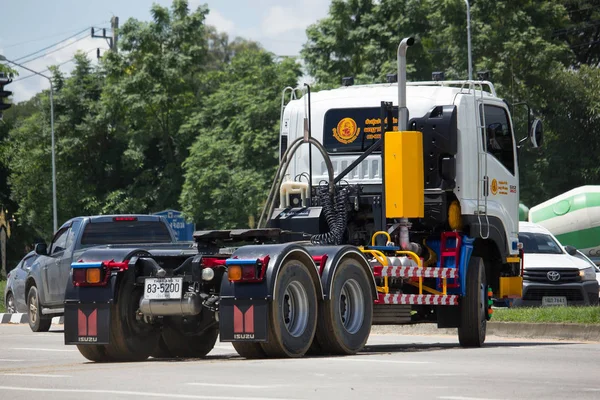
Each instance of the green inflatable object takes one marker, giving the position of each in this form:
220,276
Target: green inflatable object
523,212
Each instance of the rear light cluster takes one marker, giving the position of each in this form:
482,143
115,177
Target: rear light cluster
246,270
95,273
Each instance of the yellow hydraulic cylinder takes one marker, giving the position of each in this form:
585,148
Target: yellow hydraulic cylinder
404,175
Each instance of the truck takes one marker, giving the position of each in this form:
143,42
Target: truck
393,203
42,282
574,218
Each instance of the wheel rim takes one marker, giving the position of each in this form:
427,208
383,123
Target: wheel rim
10,304
352,306
33,308
295,309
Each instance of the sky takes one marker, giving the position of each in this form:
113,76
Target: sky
28,26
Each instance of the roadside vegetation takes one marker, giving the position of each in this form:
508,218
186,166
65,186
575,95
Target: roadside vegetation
570,315
2,286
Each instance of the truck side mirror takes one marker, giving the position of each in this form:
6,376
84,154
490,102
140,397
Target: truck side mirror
536,133
41,249
571,250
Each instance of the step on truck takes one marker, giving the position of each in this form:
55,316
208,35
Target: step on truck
393,203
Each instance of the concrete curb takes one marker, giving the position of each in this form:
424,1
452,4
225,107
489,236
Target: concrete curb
22,318
580,332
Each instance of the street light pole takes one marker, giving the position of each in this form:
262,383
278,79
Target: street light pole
54,212
469,39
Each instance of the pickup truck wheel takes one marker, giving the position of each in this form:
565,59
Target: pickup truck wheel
192,346
472,330
293,312
130,338
94,352
249,350
345,319
37,321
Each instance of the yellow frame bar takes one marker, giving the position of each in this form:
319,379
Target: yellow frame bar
389,238
379,256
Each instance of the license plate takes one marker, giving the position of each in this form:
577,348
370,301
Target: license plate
554,301
163,288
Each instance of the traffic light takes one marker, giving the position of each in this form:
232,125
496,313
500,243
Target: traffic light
4,94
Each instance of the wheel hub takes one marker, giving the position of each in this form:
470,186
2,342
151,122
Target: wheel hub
352,306
295,309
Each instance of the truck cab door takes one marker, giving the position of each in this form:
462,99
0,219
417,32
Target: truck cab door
502,169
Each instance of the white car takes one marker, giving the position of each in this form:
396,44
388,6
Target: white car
579,254
551,275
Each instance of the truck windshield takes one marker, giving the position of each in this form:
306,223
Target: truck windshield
539,243
350,130
100,233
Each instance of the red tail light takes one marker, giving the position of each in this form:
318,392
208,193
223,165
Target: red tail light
95,273
125,219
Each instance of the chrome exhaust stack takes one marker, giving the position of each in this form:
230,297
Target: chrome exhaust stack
403,125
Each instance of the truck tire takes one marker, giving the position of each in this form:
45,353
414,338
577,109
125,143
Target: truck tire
179,344
249,350
345,319
293,312
94,352
472,330
130,339
38,322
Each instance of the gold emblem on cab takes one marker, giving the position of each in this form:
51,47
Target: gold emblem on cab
347,131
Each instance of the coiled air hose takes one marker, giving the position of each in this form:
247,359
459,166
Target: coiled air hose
336,215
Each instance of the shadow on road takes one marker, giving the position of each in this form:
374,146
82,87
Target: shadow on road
422,347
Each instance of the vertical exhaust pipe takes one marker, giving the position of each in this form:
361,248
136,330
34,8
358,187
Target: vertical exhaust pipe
402,110
403,124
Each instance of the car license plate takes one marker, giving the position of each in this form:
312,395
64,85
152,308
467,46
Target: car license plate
554,301
163,288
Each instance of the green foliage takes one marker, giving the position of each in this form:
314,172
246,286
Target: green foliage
234,158
567,315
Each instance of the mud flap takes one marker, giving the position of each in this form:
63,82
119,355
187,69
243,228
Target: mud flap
87,323
243,320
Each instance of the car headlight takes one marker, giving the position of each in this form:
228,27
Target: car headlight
587,274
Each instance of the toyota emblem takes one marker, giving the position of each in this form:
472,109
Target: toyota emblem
553,276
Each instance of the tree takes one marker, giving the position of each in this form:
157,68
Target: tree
234,157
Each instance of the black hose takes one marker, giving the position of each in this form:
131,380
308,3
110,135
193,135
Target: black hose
336,215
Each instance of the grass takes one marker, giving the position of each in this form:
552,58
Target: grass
573,315
2,286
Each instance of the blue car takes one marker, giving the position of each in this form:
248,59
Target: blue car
14,293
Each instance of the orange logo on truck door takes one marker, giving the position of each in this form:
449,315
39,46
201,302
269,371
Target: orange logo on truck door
347,131
494,186
243,323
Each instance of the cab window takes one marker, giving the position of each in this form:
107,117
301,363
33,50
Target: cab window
498,136
60,242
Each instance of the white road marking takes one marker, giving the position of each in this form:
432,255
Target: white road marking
364,359
39,349
10,360
464,398
38,375
228,385
591,390
132,393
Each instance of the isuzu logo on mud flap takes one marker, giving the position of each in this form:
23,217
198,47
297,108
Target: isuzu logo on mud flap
88,338
87,326
243,323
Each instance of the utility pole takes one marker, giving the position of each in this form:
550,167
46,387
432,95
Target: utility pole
112,40
114,24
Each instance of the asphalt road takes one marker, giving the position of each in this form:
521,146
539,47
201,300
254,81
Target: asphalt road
39,366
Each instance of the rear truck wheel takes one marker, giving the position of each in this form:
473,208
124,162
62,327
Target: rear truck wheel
11,307
293,314
345,319
131,339
180,344
37,321
250,350
472,330
94,352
